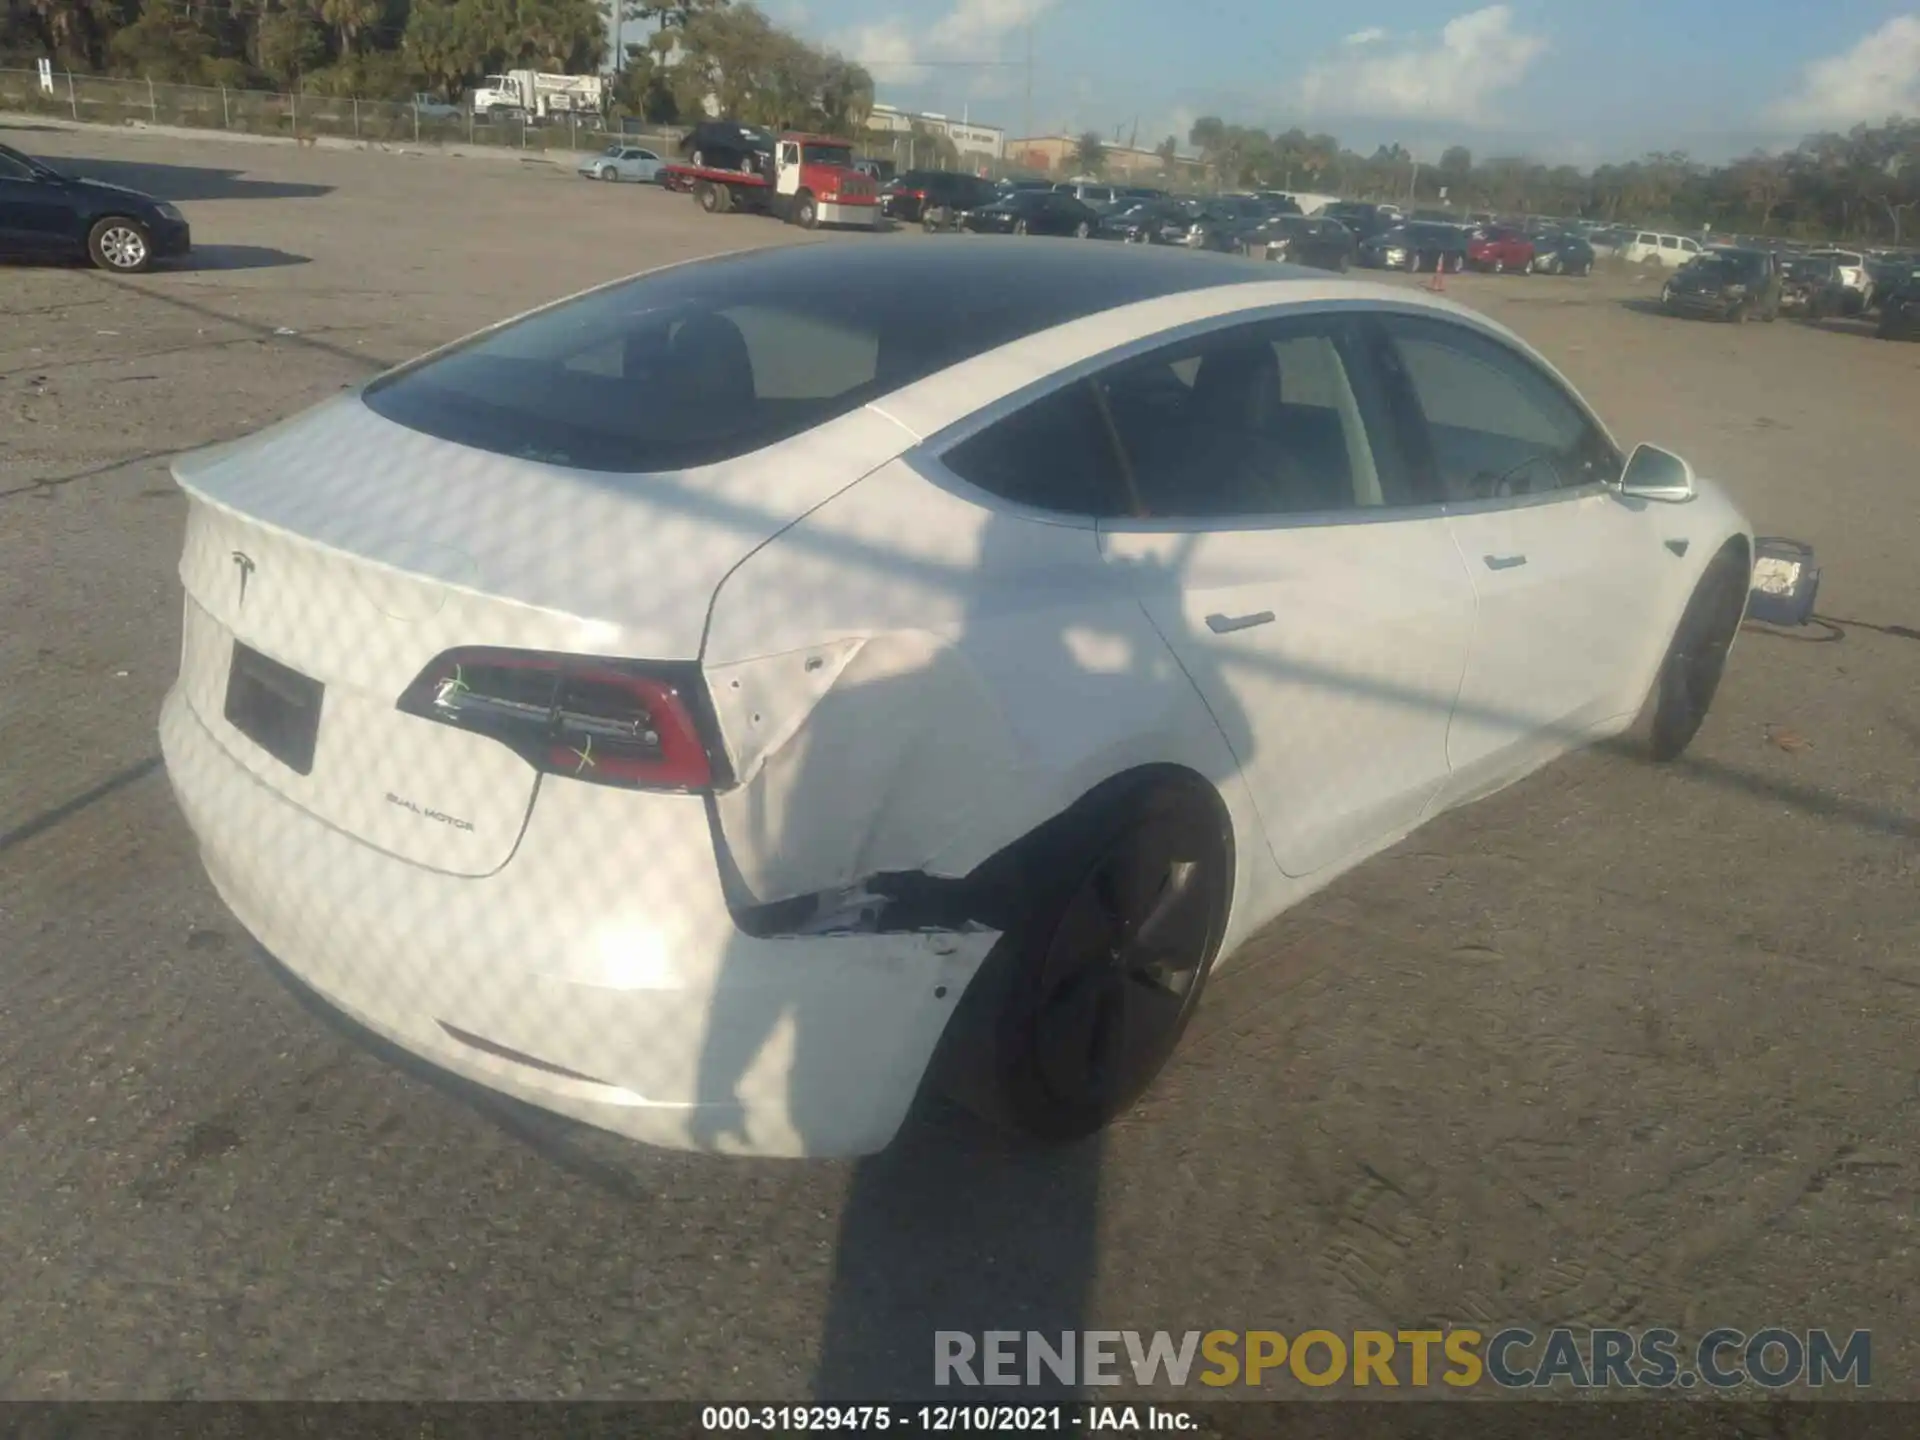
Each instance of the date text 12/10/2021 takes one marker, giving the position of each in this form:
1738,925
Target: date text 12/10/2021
945,1419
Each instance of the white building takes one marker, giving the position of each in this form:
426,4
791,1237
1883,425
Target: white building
974,142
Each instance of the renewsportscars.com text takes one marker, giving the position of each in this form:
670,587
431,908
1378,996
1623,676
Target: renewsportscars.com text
1514,1358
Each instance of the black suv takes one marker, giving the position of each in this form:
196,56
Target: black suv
1729,284
934,195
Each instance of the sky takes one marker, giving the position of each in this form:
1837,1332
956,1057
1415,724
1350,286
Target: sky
1563,81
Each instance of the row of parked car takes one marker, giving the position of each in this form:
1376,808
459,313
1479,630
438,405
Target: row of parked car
1266,224
1744,282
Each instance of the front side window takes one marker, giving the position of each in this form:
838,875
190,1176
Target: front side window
1497,425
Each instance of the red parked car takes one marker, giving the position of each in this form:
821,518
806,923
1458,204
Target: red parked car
1498,248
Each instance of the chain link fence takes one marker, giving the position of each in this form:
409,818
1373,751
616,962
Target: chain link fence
99,99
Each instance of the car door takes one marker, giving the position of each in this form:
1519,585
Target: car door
37,213
1569,578
646,164
1319,607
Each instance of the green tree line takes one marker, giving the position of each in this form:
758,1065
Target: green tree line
1863,184
684,53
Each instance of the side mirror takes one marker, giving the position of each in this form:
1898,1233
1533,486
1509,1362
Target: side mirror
1656,474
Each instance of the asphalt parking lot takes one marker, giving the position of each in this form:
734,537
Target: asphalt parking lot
1616,1047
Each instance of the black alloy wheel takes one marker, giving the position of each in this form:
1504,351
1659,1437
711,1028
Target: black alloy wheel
1695,660
1092,989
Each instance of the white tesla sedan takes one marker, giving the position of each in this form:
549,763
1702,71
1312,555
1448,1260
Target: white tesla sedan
719,703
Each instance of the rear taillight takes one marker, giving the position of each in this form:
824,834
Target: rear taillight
917,194
633,724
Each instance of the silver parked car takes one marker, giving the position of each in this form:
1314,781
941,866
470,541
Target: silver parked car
623,162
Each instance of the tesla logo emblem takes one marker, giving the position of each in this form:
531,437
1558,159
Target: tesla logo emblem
243,562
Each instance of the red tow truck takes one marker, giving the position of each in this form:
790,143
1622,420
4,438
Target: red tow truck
814,182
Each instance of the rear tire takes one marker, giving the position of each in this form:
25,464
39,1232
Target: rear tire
1093,982
1696,658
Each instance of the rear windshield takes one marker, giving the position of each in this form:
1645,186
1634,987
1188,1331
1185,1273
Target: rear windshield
701,363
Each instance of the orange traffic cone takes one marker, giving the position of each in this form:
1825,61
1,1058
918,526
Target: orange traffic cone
1438,285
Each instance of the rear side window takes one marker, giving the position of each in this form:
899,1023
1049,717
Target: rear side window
1056,454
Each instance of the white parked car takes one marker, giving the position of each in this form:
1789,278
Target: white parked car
1656,248
715,705
1850,269
622,162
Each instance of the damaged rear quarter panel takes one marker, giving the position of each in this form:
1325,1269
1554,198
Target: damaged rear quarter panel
909,681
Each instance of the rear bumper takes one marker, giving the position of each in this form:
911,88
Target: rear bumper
600,969
832,212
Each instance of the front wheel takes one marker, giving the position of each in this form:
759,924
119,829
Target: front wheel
1690,673
120,245
607,172
1089,989
807,213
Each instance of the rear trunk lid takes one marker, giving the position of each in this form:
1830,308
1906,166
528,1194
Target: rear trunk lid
331,558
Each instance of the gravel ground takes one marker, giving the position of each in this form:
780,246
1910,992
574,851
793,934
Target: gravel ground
1616,1047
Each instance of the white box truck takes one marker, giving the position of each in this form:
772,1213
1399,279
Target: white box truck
531,95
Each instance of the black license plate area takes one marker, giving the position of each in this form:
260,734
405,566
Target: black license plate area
275,707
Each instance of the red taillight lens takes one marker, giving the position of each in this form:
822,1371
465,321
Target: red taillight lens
633,724
918,194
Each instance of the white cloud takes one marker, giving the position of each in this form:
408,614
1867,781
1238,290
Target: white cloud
969,30
980,25
1477,56
887,49
1372,35
1878,77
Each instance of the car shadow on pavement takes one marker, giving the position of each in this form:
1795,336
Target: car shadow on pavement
238,257
183,182
1862,326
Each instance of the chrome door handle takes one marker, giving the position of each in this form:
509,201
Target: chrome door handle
1504,562
1227,624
